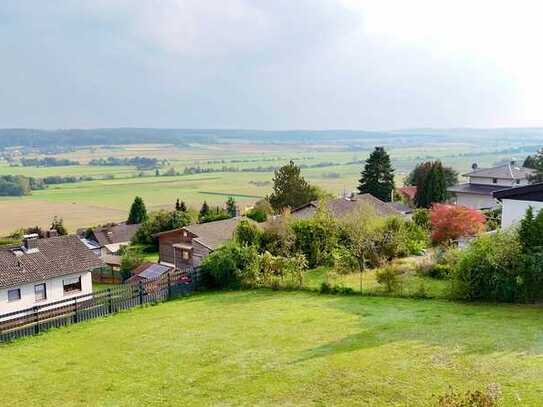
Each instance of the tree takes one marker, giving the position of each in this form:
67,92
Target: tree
450,222
530,231
180,206
421,171
290,189
247,234
535,162
378,176
231,207
138,212
58,225
130,259
431,185
177,205
160,222
204,211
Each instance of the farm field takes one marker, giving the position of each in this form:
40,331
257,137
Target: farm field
334,166
281,348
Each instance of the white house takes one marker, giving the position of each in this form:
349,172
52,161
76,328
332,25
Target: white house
516,201
482,183
43,271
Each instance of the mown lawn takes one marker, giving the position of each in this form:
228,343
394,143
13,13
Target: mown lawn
281,348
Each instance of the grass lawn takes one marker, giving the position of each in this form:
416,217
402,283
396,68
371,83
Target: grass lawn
281,348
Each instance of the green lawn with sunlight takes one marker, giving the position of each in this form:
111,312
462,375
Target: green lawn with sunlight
281,348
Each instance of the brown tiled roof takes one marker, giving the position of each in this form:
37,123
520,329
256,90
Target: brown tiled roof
343,206
214,234
56,256
409,191
116,233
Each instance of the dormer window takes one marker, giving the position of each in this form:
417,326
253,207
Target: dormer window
518,181
494,180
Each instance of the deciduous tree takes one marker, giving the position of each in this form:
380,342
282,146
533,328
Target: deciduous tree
290,189
450,222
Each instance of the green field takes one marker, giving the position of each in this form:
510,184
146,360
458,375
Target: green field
101,200
281,348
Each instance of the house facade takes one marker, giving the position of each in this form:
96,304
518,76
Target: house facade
516,201
43,271
189,245
478,192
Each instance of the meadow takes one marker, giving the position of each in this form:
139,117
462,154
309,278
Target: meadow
334,166
281,348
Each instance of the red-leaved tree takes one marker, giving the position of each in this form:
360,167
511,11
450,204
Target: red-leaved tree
450,222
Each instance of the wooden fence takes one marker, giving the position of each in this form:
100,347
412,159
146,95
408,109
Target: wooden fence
73,310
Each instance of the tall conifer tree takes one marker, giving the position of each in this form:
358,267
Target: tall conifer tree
378,176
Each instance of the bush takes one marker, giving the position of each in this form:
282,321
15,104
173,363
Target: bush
247,234
440,271
493,267
131,258
257,215
488,397
450,222
230,266
389,277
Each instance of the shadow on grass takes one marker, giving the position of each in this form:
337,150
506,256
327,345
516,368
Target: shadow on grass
465,329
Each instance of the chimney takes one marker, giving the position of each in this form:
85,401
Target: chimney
474,166
30,242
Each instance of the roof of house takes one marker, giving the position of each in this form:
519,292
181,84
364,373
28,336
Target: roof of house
343,206
115,233
55,257
506,171
112,260
477,189
532,192
150,270
401,207
409,191
214,234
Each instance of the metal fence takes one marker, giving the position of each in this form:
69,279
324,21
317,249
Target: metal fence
73,310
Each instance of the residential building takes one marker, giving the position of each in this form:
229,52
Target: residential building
342,207
107,240
516,201
482,183
189,245
43,271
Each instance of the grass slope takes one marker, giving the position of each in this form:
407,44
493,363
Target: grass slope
280,348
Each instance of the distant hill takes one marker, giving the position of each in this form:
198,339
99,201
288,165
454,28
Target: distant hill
113,136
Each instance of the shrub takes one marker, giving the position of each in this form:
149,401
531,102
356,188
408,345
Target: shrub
493,267
488,397
389,278
130,259
257,215
530,231
421,217
440,271
230,267
450,222
247,234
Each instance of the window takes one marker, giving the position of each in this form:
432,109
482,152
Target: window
72,284
40,292
14,294
185,255
518,181
494,180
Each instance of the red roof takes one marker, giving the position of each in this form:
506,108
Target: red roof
409,191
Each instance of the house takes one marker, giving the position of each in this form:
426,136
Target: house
516,201
482,183
189,245
408,194
107,240
43,271
341,207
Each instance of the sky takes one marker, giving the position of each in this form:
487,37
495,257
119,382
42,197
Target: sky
271,64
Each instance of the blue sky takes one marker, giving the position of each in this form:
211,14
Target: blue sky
282,64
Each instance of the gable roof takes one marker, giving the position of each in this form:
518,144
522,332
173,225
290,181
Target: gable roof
409,191
343,206
115,233
214,234
532,192
506,171
55,257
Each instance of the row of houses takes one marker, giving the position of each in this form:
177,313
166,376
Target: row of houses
50,269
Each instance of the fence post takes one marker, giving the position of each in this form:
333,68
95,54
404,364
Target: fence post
140,289
109,302
76,317
36,321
